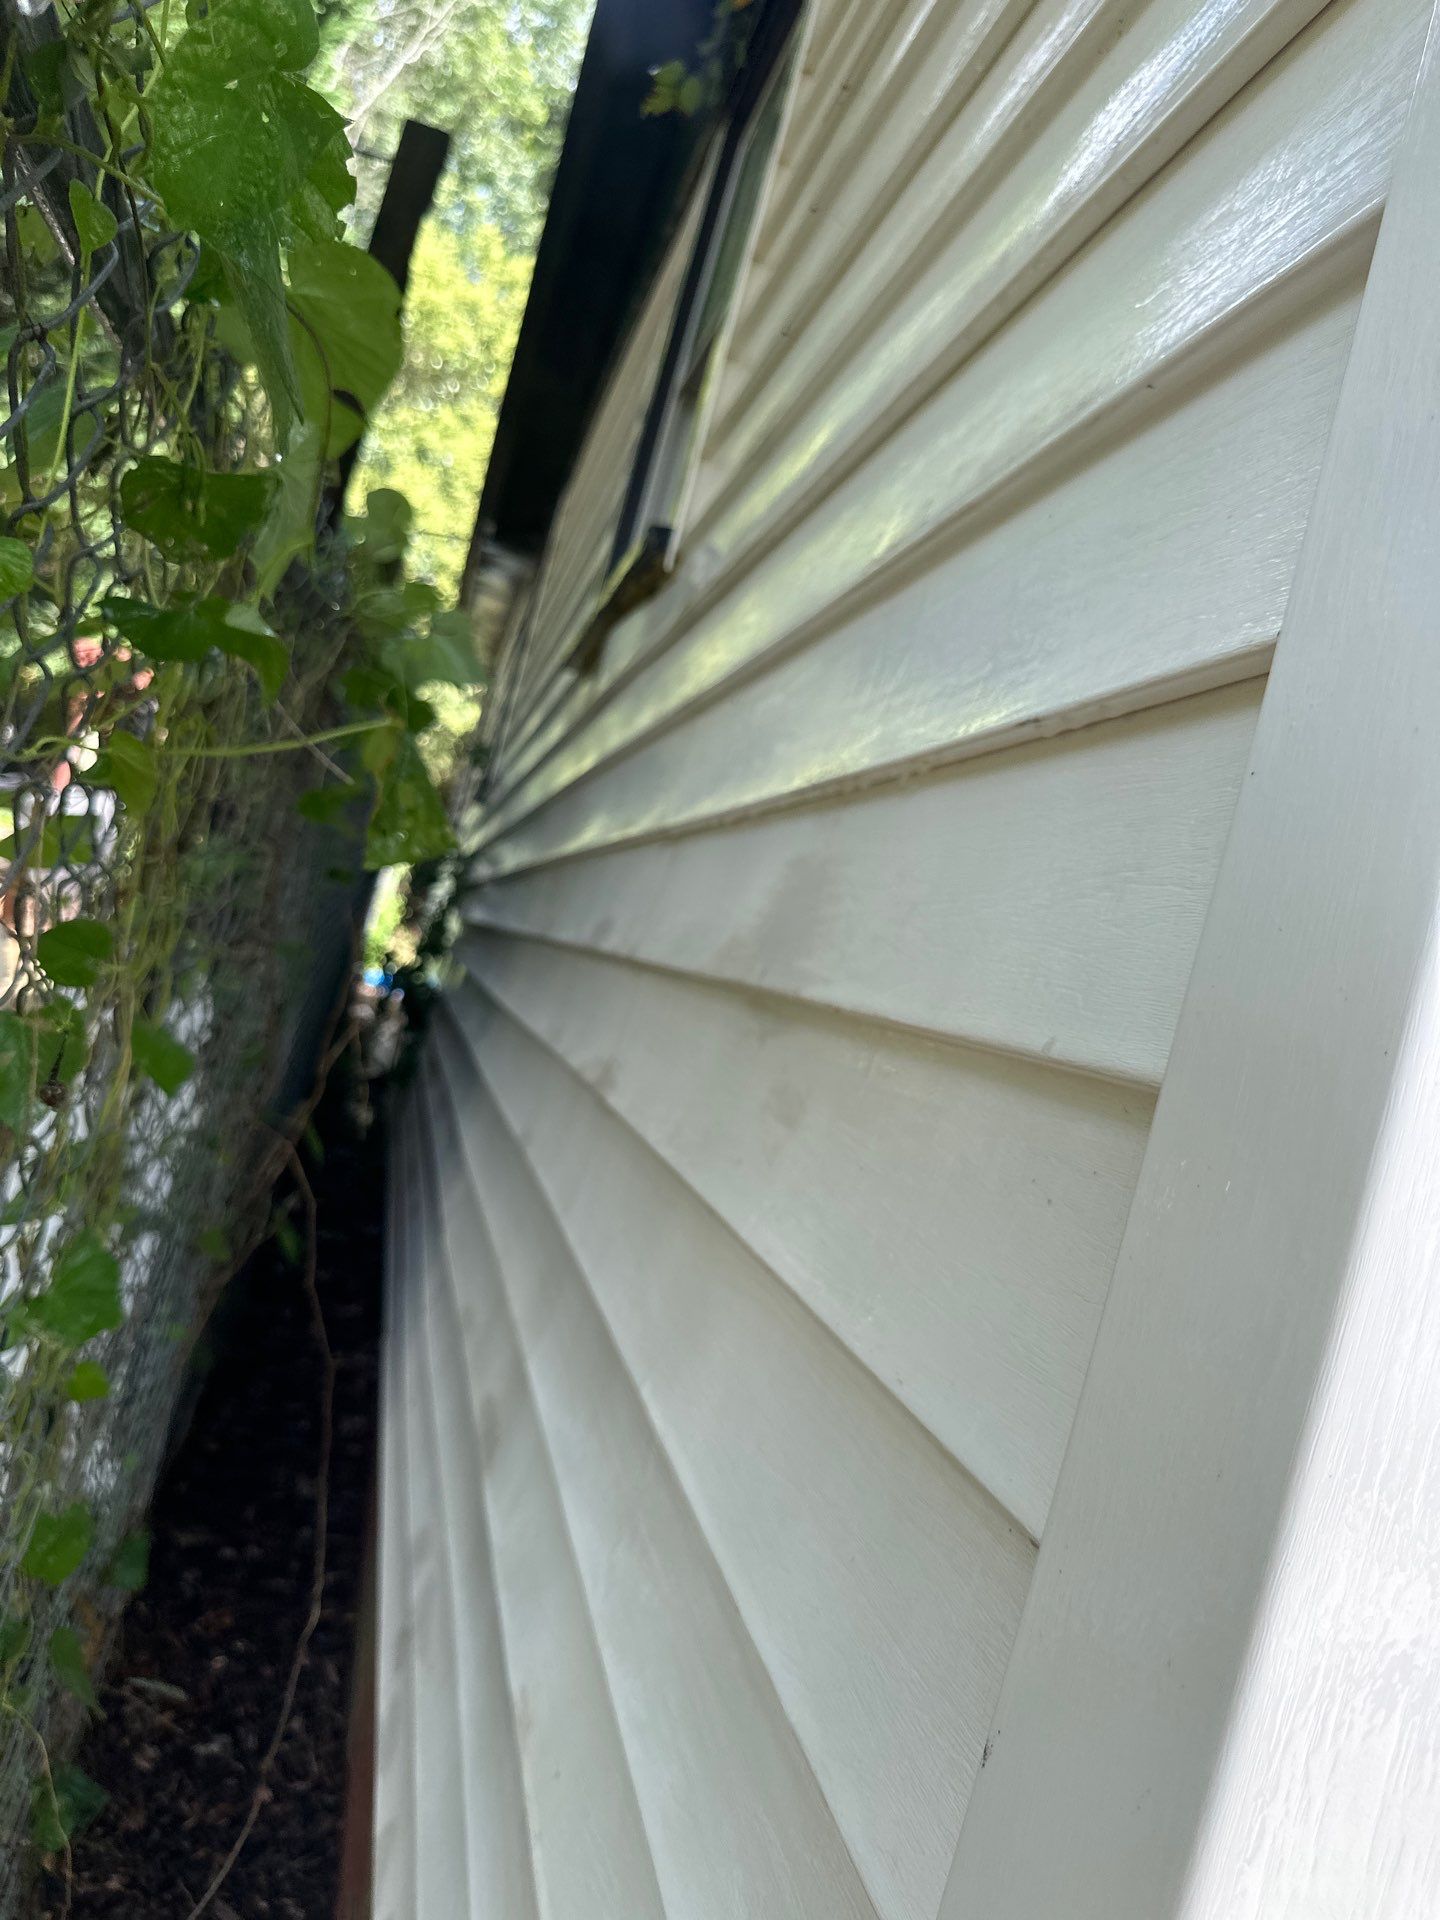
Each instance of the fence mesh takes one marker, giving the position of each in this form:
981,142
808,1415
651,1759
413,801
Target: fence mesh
230,912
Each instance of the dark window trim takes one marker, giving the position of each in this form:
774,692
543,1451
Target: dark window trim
772,36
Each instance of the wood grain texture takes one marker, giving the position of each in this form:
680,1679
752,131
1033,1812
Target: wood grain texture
737,1825
1043,901
952,1217
810,1484
1222,1704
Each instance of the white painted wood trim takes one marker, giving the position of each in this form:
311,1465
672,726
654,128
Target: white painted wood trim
1224,1701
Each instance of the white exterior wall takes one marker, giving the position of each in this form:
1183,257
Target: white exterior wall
758,1208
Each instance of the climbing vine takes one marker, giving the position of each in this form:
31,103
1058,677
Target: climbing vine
211,687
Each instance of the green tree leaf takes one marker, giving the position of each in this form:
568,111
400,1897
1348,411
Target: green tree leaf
127,766
237,138
289,529
409,821
62,1806
17,1071
130,1567
67,1657
346,337
87,1381
187,512
160,1055
74,953
17,567
94,222
58,1544
15,1633
62,1045
325,805
245,635
83,1297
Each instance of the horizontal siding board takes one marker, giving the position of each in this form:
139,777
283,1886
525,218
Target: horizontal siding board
952,1217
588,1846
494,1819
812,1486
1043,901
1162,563
937,55
737,1825
990,220
395,1824
440,1655
1199,261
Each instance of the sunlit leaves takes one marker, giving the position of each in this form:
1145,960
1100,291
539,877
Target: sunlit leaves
238,139
75,952
83,1297
345,336
58,1544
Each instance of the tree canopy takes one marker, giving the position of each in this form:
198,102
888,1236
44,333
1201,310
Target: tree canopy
498,79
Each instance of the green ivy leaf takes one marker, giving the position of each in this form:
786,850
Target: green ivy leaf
62,1806
445,654
88,1381
130,1568
83,1297
245,635
58,1544
346,337
17,567
127,766
67,1657
14,1638
237,139
383,528
62,1045
409,821
325,805
187,512
74,953
17,1071
94,222
160,1055
289,531
184,632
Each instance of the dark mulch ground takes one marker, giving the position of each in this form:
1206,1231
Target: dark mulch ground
197,1678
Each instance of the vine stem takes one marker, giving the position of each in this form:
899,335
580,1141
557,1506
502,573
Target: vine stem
322,1519
290,746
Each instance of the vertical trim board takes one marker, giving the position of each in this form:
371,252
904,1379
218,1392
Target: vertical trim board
1253,1467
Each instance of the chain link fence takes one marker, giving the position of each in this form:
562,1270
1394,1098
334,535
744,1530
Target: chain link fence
232,913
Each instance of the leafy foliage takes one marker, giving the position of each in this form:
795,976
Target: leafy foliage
180,618
58,1544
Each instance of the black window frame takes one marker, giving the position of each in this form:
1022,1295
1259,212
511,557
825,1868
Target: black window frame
637,543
